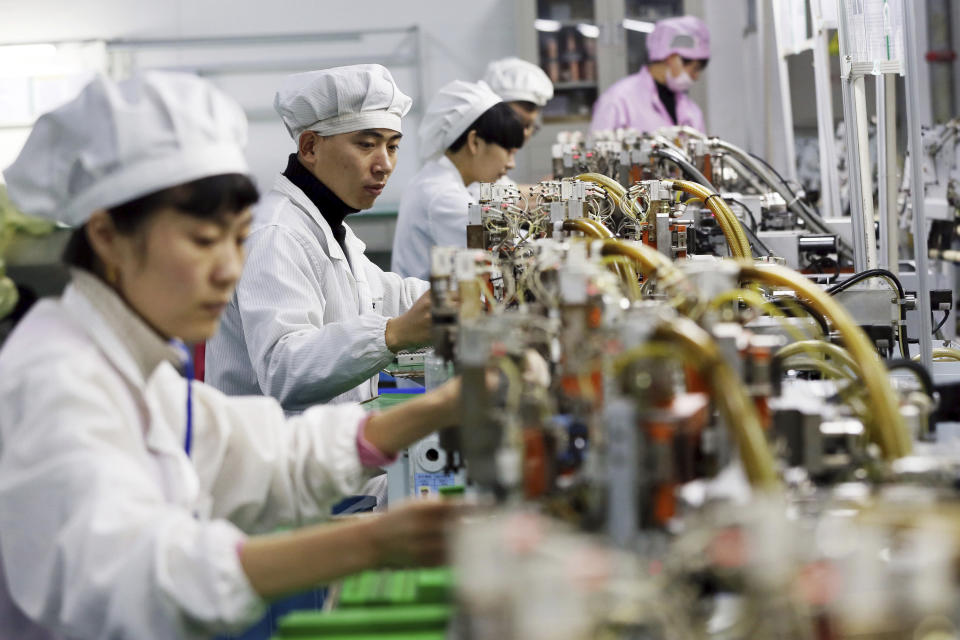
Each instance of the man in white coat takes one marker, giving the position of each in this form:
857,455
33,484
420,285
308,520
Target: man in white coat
313,319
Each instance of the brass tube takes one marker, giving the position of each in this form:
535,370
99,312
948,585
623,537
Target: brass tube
887,428
806,347
738,411
726,218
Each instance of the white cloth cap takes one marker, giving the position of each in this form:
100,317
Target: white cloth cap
341,100
449,114
514,79
116,142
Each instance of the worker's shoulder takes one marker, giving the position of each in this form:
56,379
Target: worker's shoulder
624,85
48,339
277,208
278,218
442,188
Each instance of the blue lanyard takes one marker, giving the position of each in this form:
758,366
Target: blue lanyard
187,361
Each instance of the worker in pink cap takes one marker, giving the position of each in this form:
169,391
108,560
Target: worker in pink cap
656,96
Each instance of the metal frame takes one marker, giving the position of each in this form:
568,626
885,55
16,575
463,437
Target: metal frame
914,116
818,44
829,175
861,199
853,87
783,75
889,257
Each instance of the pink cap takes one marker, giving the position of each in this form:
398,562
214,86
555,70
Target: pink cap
686,35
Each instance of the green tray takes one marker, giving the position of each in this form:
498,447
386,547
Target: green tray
366,620
388,400
403,587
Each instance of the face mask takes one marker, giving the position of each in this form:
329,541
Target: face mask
681,83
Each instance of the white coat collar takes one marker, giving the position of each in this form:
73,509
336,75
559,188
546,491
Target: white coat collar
446,165
285,187
123,336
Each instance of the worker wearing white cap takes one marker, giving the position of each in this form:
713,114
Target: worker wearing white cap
524,86
126,491
527,89
467,135
313,319
656,96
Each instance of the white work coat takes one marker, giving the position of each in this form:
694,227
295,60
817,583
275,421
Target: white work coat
107,528
306,325
433,213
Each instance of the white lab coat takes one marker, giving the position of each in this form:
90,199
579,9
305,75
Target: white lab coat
306,325
433,212
107,528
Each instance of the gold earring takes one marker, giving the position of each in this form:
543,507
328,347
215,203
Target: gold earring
112,275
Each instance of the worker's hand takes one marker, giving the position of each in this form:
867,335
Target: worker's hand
448,397
412,329
415,533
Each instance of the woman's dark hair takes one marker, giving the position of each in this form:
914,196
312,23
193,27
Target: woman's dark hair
526,105
211,198
498,124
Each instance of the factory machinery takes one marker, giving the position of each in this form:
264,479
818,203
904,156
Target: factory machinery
700,422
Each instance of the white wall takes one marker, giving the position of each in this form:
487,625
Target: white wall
743,93
458,38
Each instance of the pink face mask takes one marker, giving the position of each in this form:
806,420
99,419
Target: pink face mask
680,83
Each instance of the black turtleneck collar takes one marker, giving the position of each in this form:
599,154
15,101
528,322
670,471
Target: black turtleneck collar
669,100
332,208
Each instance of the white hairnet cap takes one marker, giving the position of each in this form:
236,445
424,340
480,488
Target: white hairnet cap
514,79
341,100
449,114
116,142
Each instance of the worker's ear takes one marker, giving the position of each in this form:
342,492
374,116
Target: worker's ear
103,236
307,146
473,142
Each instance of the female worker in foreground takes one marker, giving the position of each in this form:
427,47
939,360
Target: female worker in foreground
467,135
126,491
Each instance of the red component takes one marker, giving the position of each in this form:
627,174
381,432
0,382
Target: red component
199,360
763,412
660,431
943,55
589,154
534,463
594,317
664,503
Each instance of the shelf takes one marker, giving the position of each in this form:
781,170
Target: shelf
567,24
565,119
560,86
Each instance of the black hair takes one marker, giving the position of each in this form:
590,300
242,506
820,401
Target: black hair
498,124
703,61
526,105
211,198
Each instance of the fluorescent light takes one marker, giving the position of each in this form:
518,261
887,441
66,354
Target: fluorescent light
588,30
19,53
45,60
547,25
638,25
